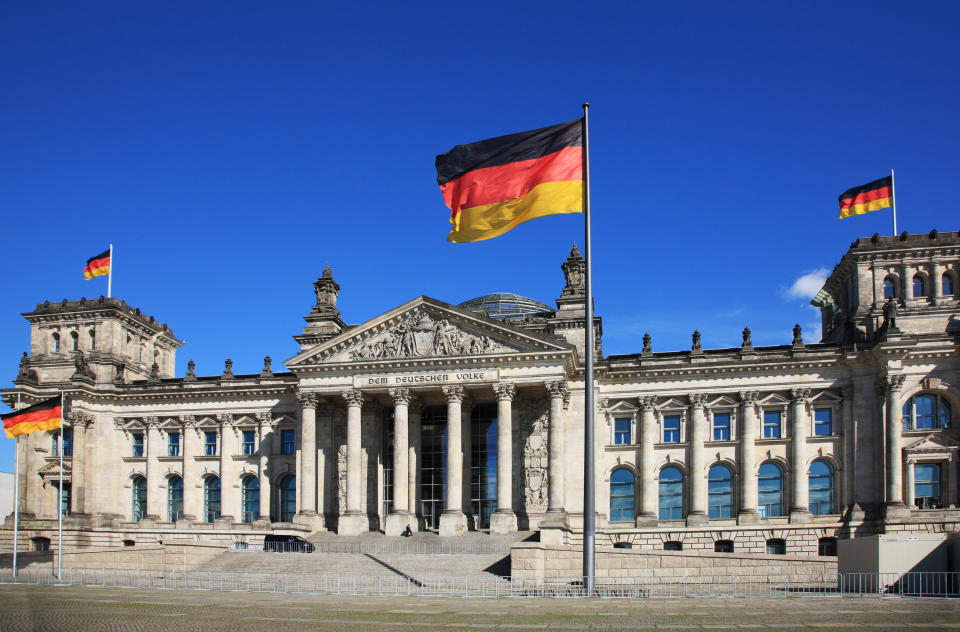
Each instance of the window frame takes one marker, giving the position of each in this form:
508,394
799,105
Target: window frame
174,499
921,281
173,445
671,509
248,447
728,428
778,426
817,424
762,508
936,484
249,506
942,408
890,283
776,546
210,447
831,503
138,445
288,447
677,430
619,514
621,435
138,497
212,499
947,278
726,508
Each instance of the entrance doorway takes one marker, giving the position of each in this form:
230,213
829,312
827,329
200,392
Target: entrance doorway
483,460
433,472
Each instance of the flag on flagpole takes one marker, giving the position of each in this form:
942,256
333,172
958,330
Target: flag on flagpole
492,186
873,196
97,265
46,415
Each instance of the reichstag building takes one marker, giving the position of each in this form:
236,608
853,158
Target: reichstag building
470,417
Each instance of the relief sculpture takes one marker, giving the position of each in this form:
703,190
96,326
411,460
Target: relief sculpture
342,479
418,335
535,457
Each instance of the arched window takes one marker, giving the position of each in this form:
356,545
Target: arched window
770,488
139,498
56,342
919,287
211,499
926,485
74,341
946,284
174,499
926,412
720,492
821,488
671,493
622,486
889,288
288,498
250,499
93,339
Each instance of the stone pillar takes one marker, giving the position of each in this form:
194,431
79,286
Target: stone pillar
266,441
894,507
906,273
192,485
452,520
697,512
749,421
849,449
413,461
649,491
307,476
937,283
399,516
911,500
555,510
78,476
950,494
504,520
354,521
229,485
152,450
800,476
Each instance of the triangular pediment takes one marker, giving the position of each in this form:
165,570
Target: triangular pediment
52,467
425,329
673,403
935,442
723,402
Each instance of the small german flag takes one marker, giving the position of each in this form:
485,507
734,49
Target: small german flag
43,416
494,185
869,197
98,265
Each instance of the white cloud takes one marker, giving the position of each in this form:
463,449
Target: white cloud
808,284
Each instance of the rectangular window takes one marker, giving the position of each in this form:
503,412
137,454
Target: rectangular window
671,429
210,443
138,444
823,422
621,431
721,426
288,442
173,444
771,424
249,438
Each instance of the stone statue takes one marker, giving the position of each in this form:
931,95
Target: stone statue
228,368
797,335
191,365
267,369
647,348
696,341
747,342
890,314
24,361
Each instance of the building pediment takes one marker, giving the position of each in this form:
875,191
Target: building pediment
425,329
935,442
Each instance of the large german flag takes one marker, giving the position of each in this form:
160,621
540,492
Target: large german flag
98,265
493,185
43,416
869,197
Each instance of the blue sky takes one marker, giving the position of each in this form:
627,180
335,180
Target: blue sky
231,149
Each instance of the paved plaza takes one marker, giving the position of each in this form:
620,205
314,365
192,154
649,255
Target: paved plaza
53,608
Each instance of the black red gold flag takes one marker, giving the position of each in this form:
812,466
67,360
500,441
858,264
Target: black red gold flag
97,265
873,196
43,416
494,185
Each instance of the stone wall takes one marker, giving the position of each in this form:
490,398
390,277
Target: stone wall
151,557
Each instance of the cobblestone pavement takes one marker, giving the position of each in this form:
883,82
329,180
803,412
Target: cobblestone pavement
78,609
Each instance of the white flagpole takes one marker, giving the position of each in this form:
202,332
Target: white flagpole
893,193
60,499
110,273
589,488
16,495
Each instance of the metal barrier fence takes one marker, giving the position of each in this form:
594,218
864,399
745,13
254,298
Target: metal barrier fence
920,585
380,548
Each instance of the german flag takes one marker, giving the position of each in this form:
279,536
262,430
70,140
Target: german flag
43,416
494,185
98,265
869,197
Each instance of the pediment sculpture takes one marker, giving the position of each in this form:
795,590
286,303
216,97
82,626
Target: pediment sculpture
417,335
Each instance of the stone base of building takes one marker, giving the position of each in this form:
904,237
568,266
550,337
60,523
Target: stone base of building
353,524
894,511
313,521
397,523
453,523
696,519
748,517
646,520
503,523
800,516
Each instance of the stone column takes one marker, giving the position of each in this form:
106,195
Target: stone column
649,491
307,476
894,507
849,449
229,485
266,441
452,520
354,521
906,272
504,520
399,517
555,509
800,476
749,421
950,494
937,283
911,500
697,512
153,450
192,485
78,477
413,461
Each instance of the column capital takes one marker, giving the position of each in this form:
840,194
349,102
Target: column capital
698,400
557,388
749,397
890,382
306,399
505,390
647,402
353,396
225,419
800,395
401,396
187,420
266,419
454,393
151,422
80,419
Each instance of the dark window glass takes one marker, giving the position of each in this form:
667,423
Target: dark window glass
288,442
821,488
137,444
947,284
771,424
249,441
139,498
720,492
776,546
823,422
93,339
621,431
56,343
74,341
919,288
723,546
173,444
288,499
770,490
673,545
926,485
827,547
721,426
40,544
67,436
926,412
671,493
622,487
65,500
250,499
209,444
889,288
483,463
174,499
671,429
211,499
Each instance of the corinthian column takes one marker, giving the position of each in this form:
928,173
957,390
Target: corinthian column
354,521
307,512
648,478
800,479
78,476
192,490
557,391
749,420
153,451
415,409
399,516
894,508
697,515
504,521
453,521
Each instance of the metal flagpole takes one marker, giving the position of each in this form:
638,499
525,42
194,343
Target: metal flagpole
60,499
893,193
589,501
16,495
110,273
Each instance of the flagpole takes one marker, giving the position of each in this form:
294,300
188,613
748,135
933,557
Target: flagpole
110,273
893,193
589,501
16,494
60,499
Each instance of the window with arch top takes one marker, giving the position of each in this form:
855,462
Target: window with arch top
671,493
770,490
946,284
622,494
250,499
889,288
74,341
919,286
288,498
822,501
926,411
211,498
174,499
719,492
56,342
139,498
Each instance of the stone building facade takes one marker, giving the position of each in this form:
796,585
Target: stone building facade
455,418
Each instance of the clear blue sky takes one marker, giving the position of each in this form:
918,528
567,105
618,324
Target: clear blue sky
231,149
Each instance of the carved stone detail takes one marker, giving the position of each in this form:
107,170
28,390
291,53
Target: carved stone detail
151,422
81,418
801,395
453,393
558,389
188,420
225,419
698,400
307,400
342,478
534,419
505,390
400,395
574,271
353,396
417,335
646,402
890,382
266,419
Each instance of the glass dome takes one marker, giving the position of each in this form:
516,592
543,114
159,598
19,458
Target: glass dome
506,305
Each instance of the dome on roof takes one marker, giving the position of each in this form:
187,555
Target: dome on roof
502,305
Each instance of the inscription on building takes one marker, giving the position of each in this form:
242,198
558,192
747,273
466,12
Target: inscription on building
438,378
